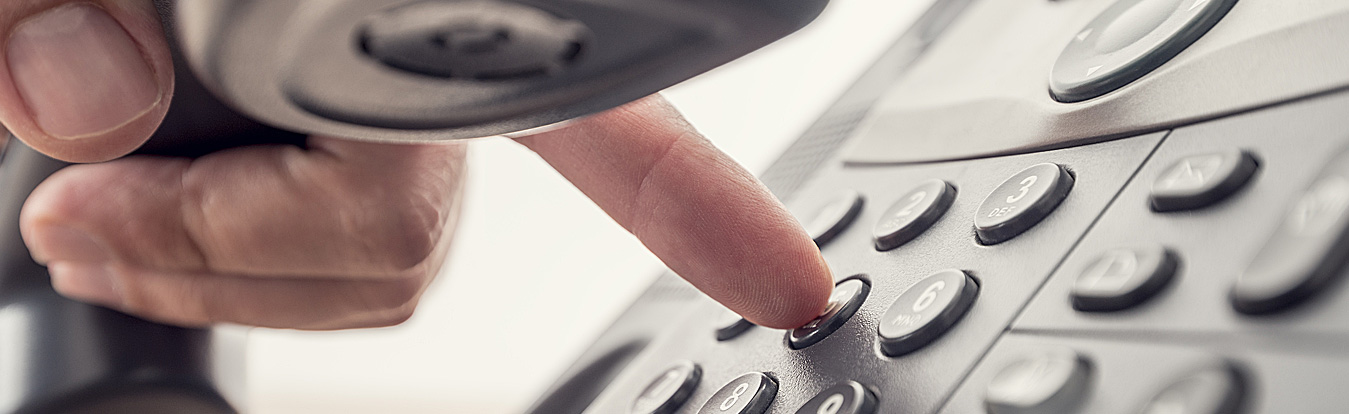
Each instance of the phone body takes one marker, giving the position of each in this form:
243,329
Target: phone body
1092,206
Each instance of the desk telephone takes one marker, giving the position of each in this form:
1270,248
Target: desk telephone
1030,206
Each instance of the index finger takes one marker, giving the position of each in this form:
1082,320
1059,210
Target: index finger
693,206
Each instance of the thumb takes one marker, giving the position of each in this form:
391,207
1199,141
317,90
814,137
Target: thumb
83,81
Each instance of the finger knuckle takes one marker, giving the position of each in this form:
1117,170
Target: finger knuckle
409,235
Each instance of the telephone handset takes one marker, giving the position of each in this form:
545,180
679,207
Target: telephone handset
251,72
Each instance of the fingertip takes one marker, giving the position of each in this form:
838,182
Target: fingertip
84,82
800,294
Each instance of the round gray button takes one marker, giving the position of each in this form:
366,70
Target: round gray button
913,214
843,303
834,217
669,390
1198,181
1128,40
1052,381
1212,390
926,311
1306,253
846,398
1123,278
748,394
1021,202
731,325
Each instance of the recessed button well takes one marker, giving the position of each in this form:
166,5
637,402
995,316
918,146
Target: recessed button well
1123,278
926,311
848,296
1021,202
1053,381
669,391
913,214
748,394
731,325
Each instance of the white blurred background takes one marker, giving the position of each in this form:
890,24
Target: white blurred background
537,271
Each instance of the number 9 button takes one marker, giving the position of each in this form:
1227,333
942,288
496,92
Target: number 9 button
748,394
926,311
1021,202
846,398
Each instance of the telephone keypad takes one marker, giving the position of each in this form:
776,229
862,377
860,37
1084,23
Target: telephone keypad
731,325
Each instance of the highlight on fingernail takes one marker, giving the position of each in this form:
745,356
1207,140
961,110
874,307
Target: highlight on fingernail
86,282
79,72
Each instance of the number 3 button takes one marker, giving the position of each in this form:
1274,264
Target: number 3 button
926,311
1021,202
749,394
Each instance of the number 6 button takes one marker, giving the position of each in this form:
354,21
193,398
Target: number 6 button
926,311
749,394
1021,202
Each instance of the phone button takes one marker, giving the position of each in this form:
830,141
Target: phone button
848,296
846,398
926,311
669,390
1123,278
1199,181
1128,40
1050,382
1021,202
749,394
1305,253
731,325
1212,390
834,217
917,210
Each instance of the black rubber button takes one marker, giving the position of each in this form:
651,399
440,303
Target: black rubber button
1213,390
1199,181
848,296
669,390
749,394
1053,381
846,398
926,311
731,325
1306,253
1128,40
834,217
913,214
1021,202
1123,278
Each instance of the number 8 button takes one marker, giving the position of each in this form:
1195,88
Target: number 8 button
1021,202
926,311
748,394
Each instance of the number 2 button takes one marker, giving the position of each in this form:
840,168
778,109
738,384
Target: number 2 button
748,394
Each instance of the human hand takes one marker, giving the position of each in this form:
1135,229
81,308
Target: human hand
342,234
